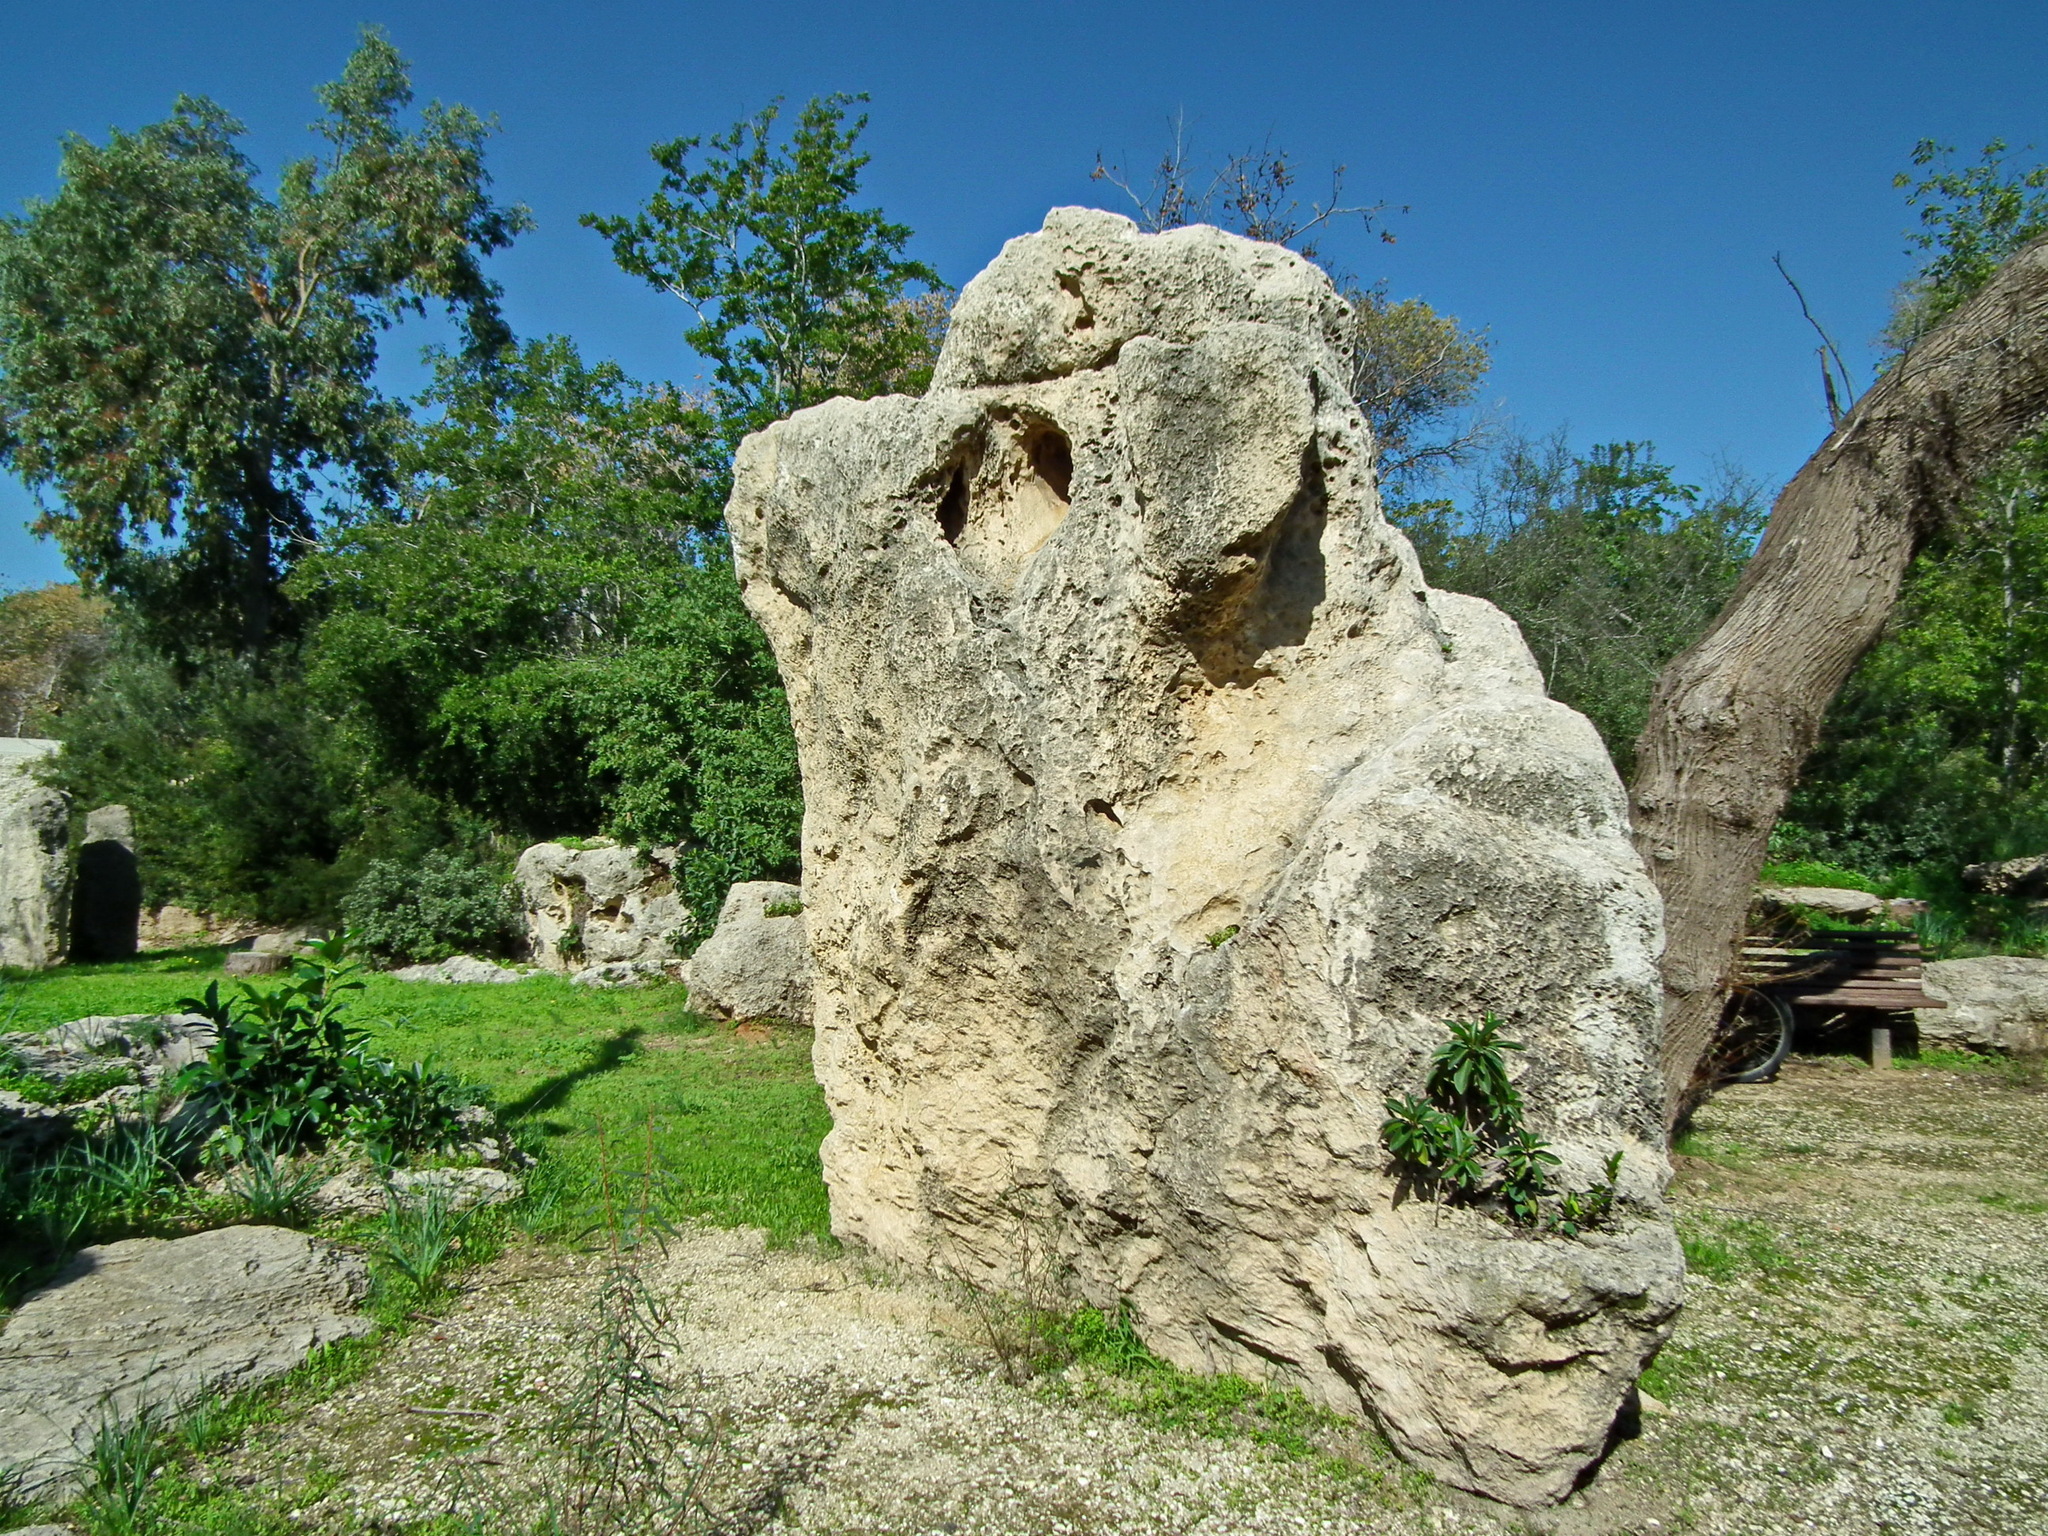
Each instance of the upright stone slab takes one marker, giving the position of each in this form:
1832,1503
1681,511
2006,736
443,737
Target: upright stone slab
1158,817
35,877
106,902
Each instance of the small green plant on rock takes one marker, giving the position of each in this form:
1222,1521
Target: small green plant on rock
1464,1139
783,908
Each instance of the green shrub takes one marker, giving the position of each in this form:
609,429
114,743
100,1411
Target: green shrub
443,905
289,1069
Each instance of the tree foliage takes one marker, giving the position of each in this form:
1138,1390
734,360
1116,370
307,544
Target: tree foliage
545,630
1610,566
51,641
187,365
796,293
1971,220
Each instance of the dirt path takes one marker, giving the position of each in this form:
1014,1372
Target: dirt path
1864,1350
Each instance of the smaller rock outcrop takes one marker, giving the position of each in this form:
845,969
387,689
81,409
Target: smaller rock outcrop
35,874
757,962
175,927
1855,906
2025,878
100,1067
1995,1003
461,970
106,902
596,902
151,1323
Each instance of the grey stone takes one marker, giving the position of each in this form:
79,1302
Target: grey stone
35,874
1995,1003
628,973
358,1190
1859,906
252,962
154,1323
461,970
755,966
600,903
42,1530
2023,877
1158,818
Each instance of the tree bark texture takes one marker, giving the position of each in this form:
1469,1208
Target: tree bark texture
1734,717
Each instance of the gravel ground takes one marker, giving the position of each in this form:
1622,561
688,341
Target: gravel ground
1863,1351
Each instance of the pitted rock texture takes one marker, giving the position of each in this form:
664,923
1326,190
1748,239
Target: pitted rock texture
1158,817
599,903
754,965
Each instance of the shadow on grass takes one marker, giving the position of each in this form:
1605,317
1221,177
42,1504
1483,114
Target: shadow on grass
605,1056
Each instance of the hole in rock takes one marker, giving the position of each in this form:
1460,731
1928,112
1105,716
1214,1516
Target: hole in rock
1084,318
1103,808
1052,460
953,509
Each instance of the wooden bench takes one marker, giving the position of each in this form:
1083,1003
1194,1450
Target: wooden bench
1879,970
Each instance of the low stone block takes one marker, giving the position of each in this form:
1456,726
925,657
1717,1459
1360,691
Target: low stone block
151,1323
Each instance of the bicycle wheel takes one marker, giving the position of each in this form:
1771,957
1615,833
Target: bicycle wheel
1754,1039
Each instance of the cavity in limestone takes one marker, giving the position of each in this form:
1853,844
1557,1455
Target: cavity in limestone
1158,816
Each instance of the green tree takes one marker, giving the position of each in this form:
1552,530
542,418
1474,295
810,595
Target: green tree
797,294
544,629
1971,221
1610,566
1932,756
187,364
244,792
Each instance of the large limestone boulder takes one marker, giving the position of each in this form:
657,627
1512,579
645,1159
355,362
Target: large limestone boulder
1158,816
1995,1003
595,903
756,964
154,1323
35,877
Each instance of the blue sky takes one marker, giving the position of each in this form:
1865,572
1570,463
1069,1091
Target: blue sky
1601,187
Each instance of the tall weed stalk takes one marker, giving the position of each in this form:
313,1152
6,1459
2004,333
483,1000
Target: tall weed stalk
639,1452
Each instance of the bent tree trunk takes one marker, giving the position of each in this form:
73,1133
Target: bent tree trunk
1733,718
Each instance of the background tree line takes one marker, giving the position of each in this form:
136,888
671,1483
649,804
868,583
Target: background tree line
327,639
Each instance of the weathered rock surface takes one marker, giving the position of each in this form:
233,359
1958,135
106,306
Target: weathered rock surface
360,1191
755,966
174,927
597,903
144,1049
1158,816
35,875
2024,877
1856,906
461,970
155,1323
1995,1003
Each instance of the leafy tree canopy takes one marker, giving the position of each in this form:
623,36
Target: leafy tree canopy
797,293
1971,220
544,631
1610,565
187,364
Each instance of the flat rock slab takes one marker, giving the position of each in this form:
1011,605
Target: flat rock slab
154,1323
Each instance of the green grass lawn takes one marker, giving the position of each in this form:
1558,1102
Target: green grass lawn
734,1123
